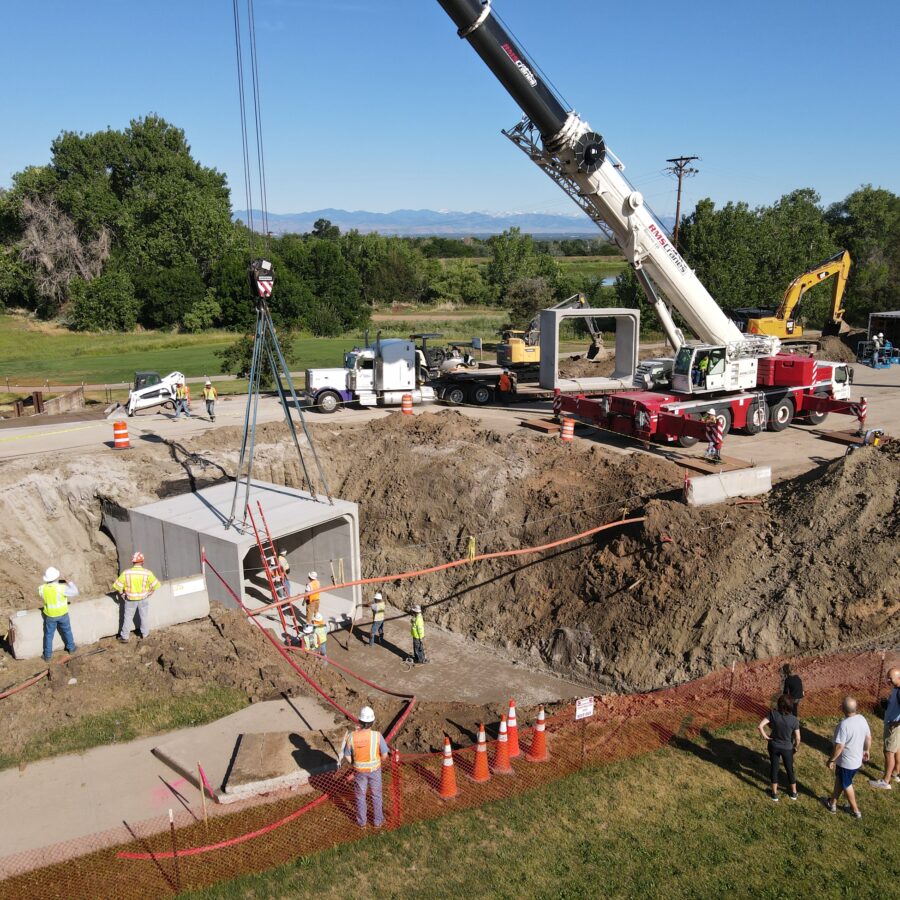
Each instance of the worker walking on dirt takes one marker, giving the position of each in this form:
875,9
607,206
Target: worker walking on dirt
181,400
55,593
321,635
312,600
366,750
891,735
135,586
210,395
417,630
378,606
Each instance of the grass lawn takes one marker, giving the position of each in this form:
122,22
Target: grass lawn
692,820
150,716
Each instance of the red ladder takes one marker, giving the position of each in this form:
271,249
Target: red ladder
274,573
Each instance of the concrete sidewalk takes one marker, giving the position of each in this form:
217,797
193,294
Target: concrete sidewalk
74,804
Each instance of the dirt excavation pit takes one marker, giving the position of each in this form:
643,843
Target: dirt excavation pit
812,567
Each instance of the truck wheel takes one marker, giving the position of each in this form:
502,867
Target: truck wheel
455,396
756,418
725,418
781,414
686,441
482,394
328,402
812,418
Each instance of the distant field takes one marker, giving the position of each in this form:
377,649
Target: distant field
599,266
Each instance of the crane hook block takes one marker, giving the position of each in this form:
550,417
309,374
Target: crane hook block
261,278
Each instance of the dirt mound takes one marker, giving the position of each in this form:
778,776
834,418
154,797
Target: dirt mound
840,349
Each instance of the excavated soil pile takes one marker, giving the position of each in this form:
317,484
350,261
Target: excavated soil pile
601,367
840,349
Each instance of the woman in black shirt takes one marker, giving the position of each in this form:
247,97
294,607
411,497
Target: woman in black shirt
783,742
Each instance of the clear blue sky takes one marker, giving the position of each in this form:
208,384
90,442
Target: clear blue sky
376,104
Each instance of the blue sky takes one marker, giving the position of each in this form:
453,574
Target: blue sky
376,104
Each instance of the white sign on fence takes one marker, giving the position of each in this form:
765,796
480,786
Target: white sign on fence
584,708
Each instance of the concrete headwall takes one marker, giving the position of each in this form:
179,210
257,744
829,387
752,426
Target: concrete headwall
65,402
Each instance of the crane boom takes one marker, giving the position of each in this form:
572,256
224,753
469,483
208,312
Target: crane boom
578,160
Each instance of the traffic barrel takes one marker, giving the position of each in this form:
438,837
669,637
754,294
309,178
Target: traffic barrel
406,405
120,435
512,730
537,752
501,757
567,432
480,771
448,774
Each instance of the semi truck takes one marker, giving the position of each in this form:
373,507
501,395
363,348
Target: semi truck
745,380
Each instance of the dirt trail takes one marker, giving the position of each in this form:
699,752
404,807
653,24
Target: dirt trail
812,567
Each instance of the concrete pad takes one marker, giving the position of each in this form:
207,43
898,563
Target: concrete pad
708,489
699,464
273,761
213,745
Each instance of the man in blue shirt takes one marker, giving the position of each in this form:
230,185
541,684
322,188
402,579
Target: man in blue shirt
891,735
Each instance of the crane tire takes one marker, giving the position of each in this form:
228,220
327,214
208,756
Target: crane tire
781,414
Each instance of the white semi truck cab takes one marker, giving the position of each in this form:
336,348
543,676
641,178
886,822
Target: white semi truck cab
377,375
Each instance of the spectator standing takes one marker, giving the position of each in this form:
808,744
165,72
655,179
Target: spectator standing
891,734
784,741
792,685
852,740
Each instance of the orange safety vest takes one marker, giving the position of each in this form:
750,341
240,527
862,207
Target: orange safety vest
366,746
313,589
505,384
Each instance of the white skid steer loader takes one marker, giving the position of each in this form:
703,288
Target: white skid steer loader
151,390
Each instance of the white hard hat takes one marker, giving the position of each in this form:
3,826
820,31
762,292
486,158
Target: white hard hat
417,608
313,575
208,381
52,574
880,334
307,629
378,595
367,715
710,412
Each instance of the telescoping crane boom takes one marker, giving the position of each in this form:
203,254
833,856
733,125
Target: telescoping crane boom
576,157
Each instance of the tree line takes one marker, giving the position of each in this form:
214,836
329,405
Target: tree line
126,228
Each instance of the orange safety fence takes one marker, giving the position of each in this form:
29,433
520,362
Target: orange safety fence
284,827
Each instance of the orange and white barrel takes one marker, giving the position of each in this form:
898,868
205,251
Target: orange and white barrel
406,405
120,435
567,432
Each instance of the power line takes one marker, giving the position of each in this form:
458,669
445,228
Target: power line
681,167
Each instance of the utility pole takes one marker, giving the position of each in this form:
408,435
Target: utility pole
680,166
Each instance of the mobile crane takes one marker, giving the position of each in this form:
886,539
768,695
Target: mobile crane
781,322
743,379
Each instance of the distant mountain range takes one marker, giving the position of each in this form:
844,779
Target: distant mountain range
427,222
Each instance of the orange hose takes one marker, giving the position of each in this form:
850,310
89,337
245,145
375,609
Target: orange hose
500,554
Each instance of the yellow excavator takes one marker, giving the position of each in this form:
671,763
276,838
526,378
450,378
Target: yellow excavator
521,347
782,322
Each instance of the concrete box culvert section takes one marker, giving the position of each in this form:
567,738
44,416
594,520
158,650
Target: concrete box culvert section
313,534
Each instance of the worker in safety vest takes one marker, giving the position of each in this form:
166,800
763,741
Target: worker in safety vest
210,395
321,630
377,606
308,638
182,397
284,567
55,593
417,630
134,586
701,370
506,386
312,601
366,749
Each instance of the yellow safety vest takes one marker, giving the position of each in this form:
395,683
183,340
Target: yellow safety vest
312,589
366,744
181,392
321,634
209,393
56,603
309,641
378,610
418,627
136,583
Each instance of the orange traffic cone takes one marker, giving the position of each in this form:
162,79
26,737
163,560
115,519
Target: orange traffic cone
448,773
481,772
537,752
501,757
512,731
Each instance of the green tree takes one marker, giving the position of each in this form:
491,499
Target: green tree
203,314
525,297
107,303
168,295
325,231
511,259
459,282
238,357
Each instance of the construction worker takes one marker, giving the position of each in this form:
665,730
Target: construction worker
877,345
308,638
378,606
135,586
210,395
321,635
505,385
712,422
284,567
312,600
181,400
700,371
55,593
417,630
366,750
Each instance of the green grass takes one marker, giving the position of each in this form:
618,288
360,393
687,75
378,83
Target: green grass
150,716
692,820
585,266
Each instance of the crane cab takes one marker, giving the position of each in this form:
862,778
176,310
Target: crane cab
707,369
